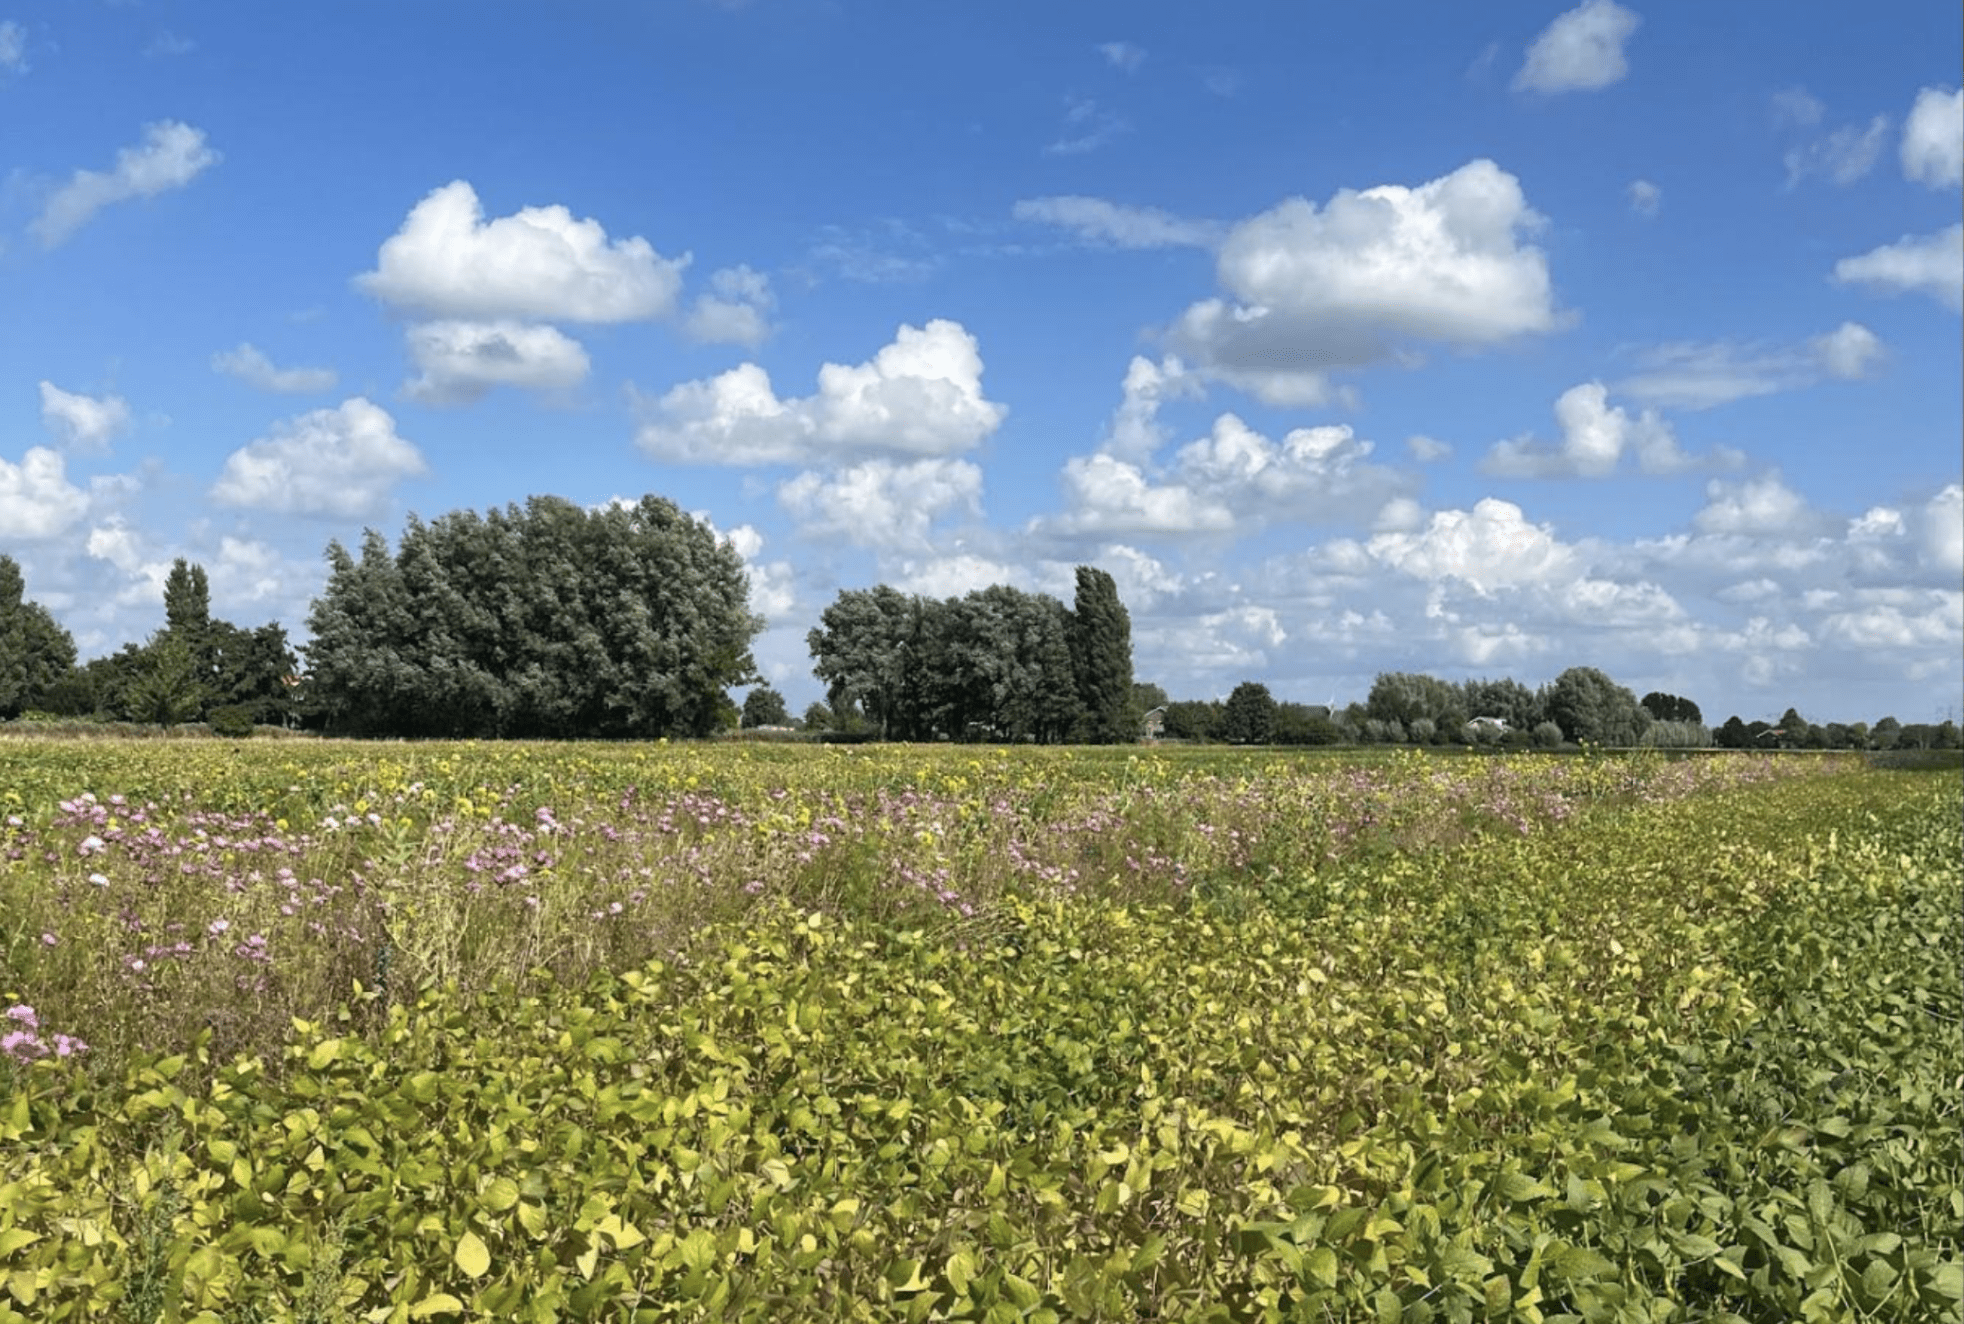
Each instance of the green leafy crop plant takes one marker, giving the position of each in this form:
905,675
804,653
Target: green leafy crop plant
1672,1046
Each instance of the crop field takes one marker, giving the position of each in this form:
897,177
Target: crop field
322,1032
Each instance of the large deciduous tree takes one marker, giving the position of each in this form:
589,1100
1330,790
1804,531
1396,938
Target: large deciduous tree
764,706
1507,699
995,664
546,620
1671,708
865,650
35,652
1249,717
1588,706
1408,697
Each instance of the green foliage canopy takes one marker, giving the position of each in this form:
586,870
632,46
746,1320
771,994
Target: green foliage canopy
545,620
35,652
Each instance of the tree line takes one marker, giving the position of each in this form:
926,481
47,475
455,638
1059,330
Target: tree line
549,620
997,663
195,669
633,621
1582,704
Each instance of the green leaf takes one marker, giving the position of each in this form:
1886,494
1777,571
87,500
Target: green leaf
500,1195
1695,1247
439,1304
472,1255
1321,1265
1518,1187
1021,1291
904,1275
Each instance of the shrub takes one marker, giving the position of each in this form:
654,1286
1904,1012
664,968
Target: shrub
233,721
1548,736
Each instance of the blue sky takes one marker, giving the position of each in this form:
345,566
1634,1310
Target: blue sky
1476,340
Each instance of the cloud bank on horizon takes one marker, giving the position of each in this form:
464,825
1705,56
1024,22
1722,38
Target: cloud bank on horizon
1535,338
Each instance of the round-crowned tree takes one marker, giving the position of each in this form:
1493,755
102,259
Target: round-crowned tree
1249,717
1589,706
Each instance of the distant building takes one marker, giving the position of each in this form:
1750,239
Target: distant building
1153,725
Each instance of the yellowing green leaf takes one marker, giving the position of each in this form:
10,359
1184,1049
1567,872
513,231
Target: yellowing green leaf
499,1195
472,1255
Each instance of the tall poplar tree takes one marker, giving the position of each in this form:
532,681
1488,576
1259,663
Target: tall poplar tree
1101,655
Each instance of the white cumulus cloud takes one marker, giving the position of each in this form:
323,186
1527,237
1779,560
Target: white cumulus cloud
1234,478
1596,435
36,499
339,462
1758,507
171,155
881,503
1136,432
736,311
921,395
250,365
954,575
460,361
1645,197
1933,138
1581,51
1359,279
80,422
1942,521
1491,546
539,264
1931,264
1108,495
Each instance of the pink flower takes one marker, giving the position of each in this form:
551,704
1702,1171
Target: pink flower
21,1045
